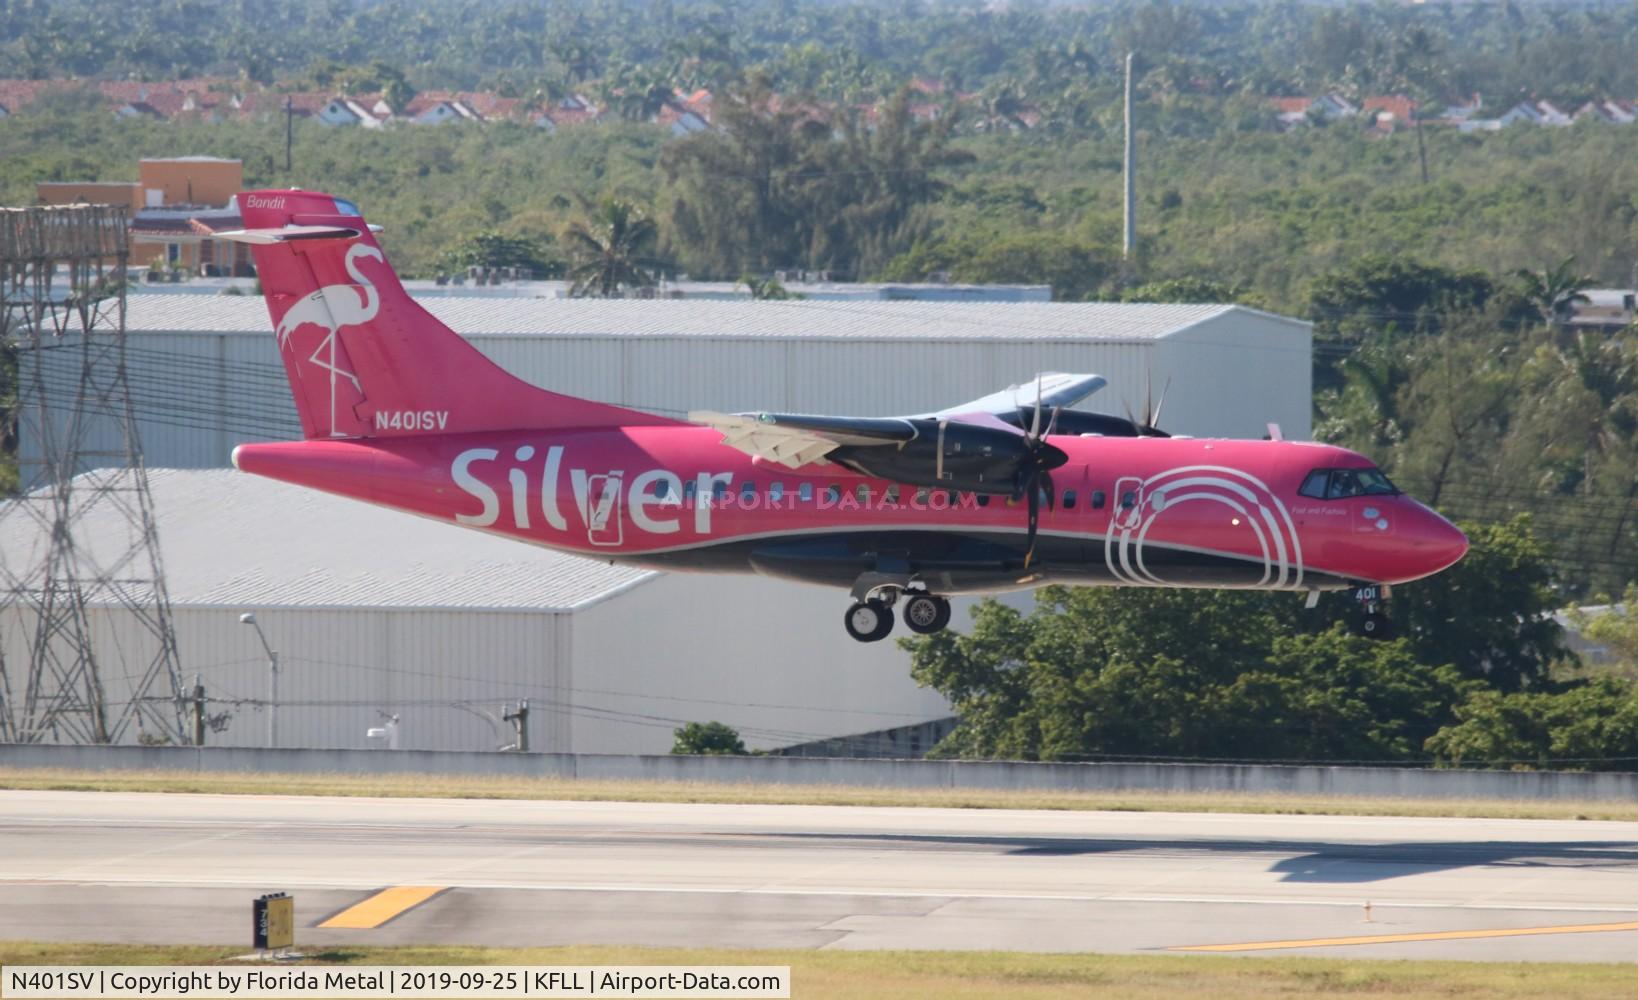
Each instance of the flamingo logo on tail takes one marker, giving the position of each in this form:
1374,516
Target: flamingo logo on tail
333,307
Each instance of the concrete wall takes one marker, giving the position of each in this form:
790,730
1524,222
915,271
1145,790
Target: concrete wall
1347,781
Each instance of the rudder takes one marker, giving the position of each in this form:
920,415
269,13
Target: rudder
366,360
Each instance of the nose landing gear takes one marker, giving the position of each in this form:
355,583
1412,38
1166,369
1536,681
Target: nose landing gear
1375,623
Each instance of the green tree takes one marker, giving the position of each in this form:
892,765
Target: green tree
612,251
1076,270
1098,671
1589,726
784,183
1379,291
1192,289
765,289
709,738
1490,615
1615,628
1554,291
493,249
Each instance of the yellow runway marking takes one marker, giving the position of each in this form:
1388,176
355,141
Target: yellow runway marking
383,906
1425,936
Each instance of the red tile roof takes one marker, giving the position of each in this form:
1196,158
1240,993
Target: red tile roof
1403,109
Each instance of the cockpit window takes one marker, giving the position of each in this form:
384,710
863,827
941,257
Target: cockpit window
1339,484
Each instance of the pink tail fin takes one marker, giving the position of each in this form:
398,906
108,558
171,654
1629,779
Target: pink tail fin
363,358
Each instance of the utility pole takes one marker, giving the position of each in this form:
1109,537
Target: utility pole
520,725
1129,241
79,459
198,711
289,116
249,618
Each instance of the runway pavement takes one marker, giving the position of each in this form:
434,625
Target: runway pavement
183,869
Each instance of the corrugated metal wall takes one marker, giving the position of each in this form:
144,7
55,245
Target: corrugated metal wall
198,394
1233,375
768,657
341,669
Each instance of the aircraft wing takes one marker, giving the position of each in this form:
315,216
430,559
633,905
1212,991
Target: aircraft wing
1055,389
794,441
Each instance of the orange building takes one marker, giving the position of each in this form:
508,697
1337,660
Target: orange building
177,206
88,193
205,181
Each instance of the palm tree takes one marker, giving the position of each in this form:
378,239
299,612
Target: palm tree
611,251
1554,290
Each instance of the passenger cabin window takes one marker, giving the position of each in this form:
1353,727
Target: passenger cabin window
688,490
1128,500
718,491
862,492
805,491
833,493
922,493
776,492
747,492
1098,499
1340,484
1069,499
892,494
662,488
983,499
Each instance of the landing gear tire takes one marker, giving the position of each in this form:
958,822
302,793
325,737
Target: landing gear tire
925,614
1376,626
868,621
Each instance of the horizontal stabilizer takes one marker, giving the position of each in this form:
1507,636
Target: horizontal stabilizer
287,234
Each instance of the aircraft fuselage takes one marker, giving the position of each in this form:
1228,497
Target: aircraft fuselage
1127,511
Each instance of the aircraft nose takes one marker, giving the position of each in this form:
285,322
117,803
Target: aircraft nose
1439,544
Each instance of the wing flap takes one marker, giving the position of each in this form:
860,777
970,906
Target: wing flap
795,441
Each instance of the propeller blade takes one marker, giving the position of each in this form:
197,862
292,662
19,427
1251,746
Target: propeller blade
1052,424
1034,521
1035,421
938,454
1049,489
1154,420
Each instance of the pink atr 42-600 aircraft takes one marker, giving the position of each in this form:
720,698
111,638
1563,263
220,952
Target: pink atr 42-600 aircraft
1010,491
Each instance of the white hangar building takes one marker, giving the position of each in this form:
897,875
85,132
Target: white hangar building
376,613
205,373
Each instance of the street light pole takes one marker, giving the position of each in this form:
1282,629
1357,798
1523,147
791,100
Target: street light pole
249,618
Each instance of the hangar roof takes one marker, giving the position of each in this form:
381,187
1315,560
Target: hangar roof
736,320
242,542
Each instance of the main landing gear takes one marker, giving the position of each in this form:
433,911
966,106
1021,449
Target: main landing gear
871,620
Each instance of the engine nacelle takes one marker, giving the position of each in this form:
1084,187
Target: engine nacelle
950,454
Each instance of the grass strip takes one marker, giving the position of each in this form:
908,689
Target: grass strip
570,789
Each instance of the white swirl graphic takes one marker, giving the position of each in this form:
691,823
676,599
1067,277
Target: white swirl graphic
1248,497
